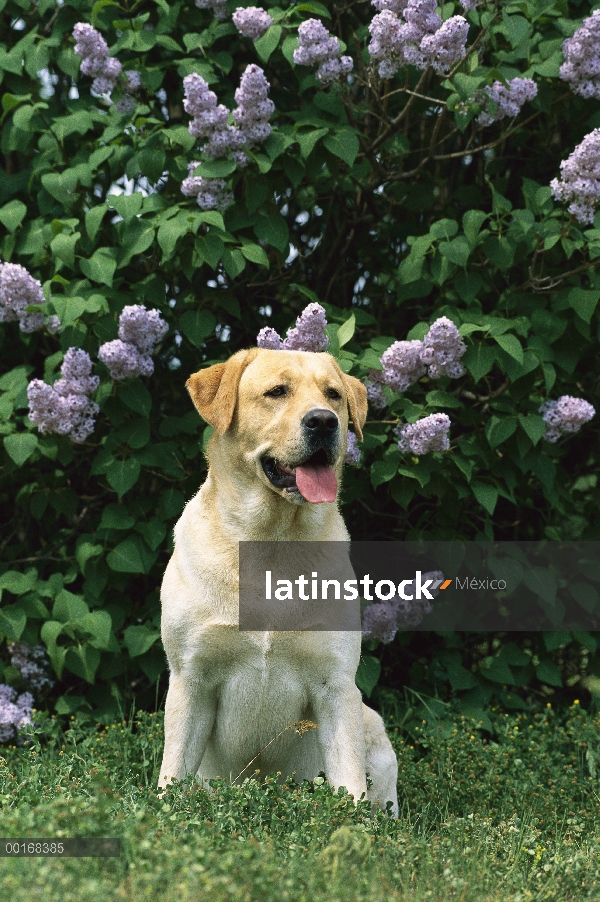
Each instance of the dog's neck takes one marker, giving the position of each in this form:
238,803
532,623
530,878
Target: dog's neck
251,511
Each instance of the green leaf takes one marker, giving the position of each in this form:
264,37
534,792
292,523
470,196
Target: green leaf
69,309
215,169
139,639
457,250
116,516
126,205
499,429
83,661
136,433
255,253
384,470
12,214
479,359
472,222
101,266
583,302
307,140
272,229
266,44
209,249
512,346
18,583
20,446
49,633
122,475
86,551
69,607
444,229
137,397
547,672
367,675
61,185
169,233
153,532
499,251
99,624
93,220
63,247
442,399
131,556
344,144
197,325
12,621
346,331
233,262
533,425
487,495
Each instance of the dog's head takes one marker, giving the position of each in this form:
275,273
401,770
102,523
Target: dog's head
283,418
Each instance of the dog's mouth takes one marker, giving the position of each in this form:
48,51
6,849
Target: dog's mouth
314,478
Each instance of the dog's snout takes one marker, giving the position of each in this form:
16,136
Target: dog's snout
320,422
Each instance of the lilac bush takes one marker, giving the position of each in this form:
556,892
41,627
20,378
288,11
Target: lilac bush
352,456
129,355
210,194
254,108
309,333
382,620
506,100
32,662
442,349
19,290
219,8
426,435
316,47
421,40
65,408
96,60
565,416
579,183
402,365
581,68
252,22
15,712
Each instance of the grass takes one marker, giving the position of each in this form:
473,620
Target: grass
515,819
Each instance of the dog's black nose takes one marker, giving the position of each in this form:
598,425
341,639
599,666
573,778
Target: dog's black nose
320,422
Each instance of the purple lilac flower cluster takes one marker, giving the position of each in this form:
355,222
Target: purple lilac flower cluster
65,407
579,183
316,47
211,194
252,22
442,349
32,662
582,62
106,70
219,8
129,355
382,620
426,435
405,362
507,99
352,456
421,40
210,119
254,108
15,712
565,416
18,289
309,334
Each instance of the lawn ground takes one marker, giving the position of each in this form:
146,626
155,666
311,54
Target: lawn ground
514,816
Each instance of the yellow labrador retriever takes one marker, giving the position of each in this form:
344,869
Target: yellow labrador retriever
275,461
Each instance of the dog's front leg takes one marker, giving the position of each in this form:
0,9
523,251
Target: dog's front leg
341,733
189,718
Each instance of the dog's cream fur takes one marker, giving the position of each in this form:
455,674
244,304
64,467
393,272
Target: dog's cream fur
232,692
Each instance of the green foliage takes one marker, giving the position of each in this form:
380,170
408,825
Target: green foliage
386,202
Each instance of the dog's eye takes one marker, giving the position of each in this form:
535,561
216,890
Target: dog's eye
278,392
333,394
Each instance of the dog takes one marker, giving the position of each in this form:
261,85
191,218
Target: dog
275,461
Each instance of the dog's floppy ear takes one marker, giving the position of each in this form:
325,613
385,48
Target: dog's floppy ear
214,390
357,402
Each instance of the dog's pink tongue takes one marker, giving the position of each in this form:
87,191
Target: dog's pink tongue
316,484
